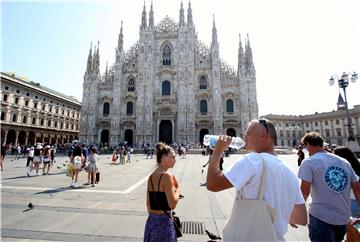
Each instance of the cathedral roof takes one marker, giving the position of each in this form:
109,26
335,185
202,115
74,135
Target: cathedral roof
167,25
202,49
132,53
227,72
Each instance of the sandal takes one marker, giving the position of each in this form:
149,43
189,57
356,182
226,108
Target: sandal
88,183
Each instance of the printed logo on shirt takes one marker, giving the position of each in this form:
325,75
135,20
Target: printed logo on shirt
336,178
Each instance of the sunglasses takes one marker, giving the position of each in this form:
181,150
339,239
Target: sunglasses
263,122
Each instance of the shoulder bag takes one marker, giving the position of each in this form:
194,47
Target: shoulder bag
251,220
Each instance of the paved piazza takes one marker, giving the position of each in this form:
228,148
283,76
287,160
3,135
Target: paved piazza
115,209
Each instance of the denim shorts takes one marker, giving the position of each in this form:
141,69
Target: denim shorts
319,231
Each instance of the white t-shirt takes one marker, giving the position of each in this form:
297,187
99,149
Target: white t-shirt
282,188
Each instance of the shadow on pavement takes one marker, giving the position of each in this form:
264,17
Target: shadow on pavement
13,178
60,189
50,174
53,190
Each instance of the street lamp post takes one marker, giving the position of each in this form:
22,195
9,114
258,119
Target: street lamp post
343,83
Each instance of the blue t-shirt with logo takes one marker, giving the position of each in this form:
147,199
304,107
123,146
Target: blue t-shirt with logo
330,177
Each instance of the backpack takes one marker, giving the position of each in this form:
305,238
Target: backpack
37,152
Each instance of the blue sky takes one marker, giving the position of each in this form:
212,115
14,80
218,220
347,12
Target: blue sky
297,45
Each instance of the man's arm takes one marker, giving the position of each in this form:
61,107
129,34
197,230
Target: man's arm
305,189
356,189
298,215
216,181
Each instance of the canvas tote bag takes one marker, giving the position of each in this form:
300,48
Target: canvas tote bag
251,220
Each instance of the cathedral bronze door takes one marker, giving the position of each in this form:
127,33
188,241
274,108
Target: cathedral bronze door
165,131
129,137
104,137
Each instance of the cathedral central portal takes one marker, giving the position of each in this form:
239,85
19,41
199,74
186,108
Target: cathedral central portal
165,131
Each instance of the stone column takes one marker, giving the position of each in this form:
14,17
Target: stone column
357,125
5,136
26,137
16,137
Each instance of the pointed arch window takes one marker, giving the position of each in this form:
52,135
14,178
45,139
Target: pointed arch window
130,108
203,82
131,85
167,55
229,106
203,107
166,88
106,108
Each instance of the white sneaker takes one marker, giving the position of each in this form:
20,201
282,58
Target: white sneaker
74,185
28,174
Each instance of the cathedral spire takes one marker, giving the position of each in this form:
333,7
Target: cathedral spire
121,38
89,61
182,16
189,15
151,16
248,55
96,59
240,56
341,105
143,18
214,32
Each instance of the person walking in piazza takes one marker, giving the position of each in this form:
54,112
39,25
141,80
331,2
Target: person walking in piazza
347,154
329,179
52,155
46,160
122,154
3,154
128,154
114,157
259,177
76,160
18,152
37,158
92,167
301,155
29,162
163,194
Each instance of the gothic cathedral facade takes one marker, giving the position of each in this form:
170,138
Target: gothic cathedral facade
169,86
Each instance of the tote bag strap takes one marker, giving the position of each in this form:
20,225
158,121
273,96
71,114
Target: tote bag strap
263,180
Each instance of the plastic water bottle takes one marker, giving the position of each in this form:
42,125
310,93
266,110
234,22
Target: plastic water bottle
211,140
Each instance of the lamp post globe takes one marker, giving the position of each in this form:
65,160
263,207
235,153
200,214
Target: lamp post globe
343,83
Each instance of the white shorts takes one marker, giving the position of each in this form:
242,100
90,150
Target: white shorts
37,159
77,162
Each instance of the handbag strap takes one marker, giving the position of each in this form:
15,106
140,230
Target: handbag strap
263,180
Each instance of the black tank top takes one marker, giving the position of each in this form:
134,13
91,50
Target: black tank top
158,200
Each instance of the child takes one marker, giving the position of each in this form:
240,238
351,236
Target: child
129,155
114,157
